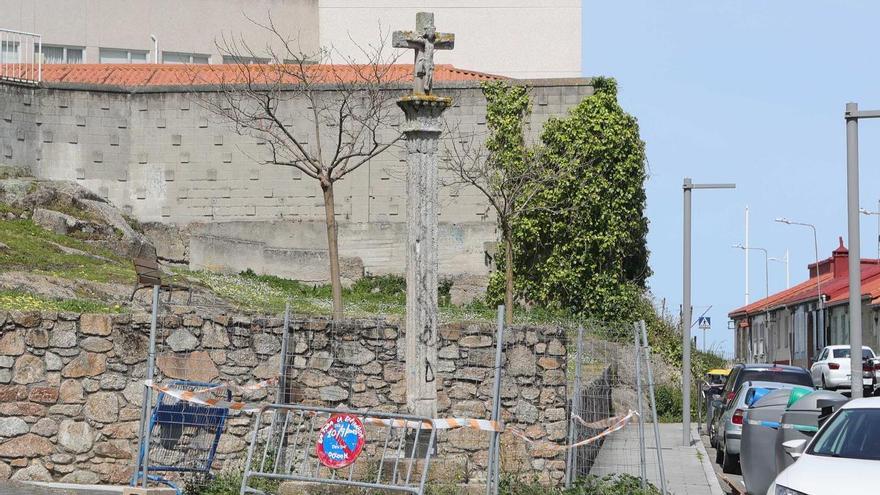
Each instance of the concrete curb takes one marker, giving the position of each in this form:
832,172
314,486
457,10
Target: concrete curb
706,463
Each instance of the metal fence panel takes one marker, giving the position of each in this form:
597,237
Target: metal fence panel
283,449
612,385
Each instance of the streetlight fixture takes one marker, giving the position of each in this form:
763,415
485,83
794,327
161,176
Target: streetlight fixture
766,267
687,187
865,211
852,115
821,319
787,273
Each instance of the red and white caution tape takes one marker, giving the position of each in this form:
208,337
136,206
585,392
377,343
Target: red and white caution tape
617,423
439,424
198,397
239,389
610,425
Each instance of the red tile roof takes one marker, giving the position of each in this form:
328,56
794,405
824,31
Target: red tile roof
131,75
834,285
801,292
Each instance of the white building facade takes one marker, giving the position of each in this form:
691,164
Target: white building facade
514,38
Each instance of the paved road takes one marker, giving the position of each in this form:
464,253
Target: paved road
688,470
732,484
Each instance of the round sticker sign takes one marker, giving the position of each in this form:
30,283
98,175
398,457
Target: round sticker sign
341,441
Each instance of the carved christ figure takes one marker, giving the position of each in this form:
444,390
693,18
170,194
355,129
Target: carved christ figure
424,40
425,62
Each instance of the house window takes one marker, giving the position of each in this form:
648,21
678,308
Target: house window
117,56
55,54
184,58
236,59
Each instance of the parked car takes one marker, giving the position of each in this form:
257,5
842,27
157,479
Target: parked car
741,373
831,370
730,422
842,458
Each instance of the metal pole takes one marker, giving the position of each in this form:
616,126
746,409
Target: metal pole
492,475
285,339
144,447
638,352
575,404
878,229
747,255
787,272
657,446
821,316
855,271
686,319
766,304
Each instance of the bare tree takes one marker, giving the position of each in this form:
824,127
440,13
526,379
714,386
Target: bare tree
349,107
501,166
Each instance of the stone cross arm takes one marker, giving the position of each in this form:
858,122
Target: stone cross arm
413,40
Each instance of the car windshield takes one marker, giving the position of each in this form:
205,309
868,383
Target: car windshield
778,376
844,353
852,434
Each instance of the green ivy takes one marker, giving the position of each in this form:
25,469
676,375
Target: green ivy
583,248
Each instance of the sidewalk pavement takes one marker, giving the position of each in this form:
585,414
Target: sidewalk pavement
688,470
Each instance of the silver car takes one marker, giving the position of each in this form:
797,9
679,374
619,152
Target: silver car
729,431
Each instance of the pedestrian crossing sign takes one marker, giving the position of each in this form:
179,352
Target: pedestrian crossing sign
704,323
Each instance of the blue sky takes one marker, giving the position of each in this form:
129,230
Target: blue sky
751,92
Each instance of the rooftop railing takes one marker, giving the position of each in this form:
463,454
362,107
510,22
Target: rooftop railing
21,56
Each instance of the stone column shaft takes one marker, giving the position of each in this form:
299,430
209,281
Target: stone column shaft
422,131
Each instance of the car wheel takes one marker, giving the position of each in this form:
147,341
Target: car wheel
719,454
730,464
824,385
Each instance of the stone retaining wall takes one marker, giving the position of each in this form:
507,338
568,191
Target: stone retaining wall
71,386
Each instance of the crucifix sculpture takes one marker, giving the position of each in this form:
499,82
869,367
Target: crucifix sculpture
424,40
422,129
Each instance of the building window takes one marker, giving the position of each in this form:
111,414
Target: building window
117,56
184,58
236,59
9,52
55,54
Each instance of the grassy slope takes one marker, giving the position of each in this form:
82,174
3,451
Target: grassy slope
34,249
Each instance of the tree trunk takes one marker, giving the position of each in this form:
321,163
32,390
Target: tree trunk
333,249
508,276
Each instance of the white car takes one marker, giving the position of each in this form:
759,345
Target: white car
832,368
843,457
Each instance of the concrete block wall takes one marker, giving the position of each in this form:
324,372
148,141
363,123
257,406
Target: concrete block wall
162,157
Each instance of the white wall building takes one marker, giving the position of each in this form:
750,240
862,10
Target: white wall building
515,38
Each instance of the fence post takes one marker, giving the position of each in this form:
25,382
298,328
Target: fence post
638,370
285,340
144,429
493,467
653,407
574,405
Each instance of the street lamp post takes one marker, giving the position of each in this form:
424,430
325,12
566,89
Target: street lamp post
852,116
687,187
865,211
821,318
766,283
787,273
